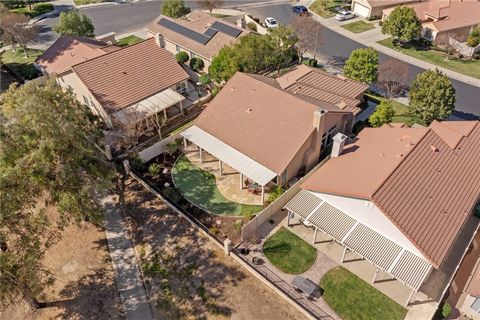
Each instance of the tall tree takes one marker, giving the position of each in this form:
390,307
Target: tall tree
383,114
282,40
74,23
49,156
309,34
224,64
362,65
432,96
392,77
402,24
211,4
174,8
16,29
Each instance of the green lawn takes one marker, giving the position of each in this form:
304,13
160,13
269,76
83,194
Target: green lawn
318,8
23,66
37,9
289,253
354,299
82,2
199,187
128,40
358,26
402,113
469,68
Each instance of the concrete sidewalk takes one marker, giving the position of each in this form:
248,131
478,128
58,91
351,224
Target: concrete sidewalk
130,286
371,37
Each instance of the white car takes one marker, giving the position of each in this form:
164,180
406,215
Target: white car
271,22
345,15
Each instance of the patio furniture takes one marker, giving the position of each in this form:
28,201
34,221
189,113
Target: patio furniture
257,261
309,288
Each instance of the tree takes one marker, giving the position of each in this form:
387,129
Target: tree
392,77
309,34
74,23
282,41
473,39
158,121
224,64
16,29
211,4
182,57
402,24
174,8
383,114
50,156
432,96
362,65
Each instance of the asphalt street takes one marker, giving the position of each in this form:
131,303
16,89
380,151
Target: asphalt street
332,47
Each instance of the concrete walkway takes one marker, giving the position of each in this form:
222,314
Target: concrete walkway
129,281
371,37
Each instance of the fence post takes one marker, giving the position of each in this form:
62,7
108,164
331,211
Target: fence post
126,165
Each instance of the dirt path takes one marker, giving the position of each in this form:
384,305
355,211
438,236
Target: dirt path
188,275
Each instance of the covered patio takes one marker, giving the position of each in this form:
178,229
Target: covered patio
239,177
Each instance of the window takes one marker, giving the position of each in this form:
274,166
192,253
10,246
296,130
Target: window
181,87
85,99
178,48
476,305
327,137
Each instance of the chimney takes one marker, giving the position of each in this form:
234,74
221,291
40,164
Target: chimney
242,23
159,40
319,119
338,144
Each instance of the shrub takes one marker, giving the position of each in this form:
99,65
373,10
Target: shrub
214,230
196,64
473,39
276,192
311,62
446,310
154,169
383,114
137,164
182,57
205,79
252,26
238,225
215,91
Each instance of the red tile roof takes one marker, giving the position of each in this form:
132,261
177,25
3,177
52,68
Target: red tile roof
427,192
126,76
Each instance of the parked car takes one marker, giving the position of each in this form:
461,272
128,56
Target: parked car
300,10
345,15
271,22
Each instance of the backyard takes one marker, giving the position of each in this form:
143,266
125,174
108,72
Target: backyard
289,253
188,276
128,40
200,188
354,299
358,26
469,68
20,64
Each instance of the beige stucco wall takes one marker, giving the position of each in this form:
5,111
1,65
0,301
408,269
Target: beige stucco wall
460,34
80,90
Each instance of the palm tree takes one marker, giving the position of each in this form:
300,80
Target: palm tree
211,4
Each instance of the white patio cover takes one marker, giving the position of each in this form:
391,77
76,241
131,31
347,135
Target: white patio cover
148,107
370,244
225,153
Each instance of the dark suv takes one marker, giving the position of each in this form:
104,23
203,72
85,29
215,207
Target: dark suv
300,10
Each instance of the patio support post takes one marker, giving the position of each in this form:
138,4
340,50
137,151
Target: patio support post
288,218
201,154
220,167
410,297
241,181
181,108
165,114
263,194
375,276
344,253
315,235
185,144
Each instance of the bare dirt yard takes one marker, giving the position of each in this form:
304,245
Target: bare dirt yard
189,277
84,286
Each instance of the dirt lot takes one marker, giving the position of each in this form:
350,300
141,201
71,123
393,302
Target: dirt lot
188,275
84,286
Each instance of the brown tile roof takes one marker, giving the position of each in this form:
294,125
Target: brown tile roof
126,76
428,193
313,83
68,50
263,122
199,22
382,3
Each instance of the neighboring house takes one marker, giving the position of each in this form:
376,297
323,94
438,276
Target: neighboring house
124,86
198,34
444,19
268,134
471,294
402,198
372,9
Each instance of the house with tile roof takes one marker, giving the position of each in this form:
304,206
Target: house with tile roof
267,133
372,9
401,198
198,34
442,19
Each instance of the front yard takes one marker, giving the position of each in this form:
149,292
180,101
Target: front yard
289,253
129,40
325,9
358,26
37,9
22,65
469,68
354,299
